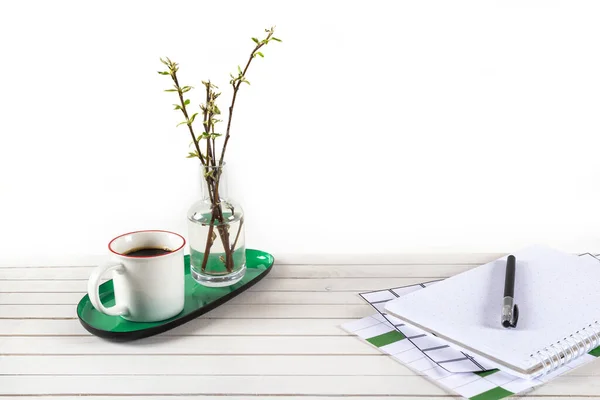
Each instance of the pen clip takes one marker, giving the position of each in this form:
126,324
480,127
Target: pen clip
515,317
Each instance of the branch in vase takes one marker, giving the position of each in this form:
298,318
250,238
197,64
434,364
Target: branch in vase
204,109
210,109
209,242
241,78
173,68
212,168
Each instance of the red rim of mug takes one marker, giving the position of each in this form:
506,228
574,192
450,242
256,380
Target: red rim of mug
142,231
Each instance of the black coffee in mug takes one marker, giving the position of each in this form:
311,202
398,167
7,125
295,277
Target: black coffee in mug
148,252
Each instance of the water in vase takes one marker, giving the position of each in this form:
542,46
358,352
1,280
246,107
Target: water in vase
210,265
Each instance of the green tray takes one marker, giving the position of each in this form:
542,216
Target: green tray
198,300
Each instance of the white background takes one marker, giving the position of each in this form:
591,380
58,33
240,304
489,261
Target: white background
376,127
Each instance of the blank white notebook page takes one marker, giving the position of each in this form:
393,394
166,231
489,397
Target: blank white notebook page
557,294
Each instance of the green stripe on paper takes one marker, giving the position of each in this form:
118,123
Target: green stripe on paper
595,352
493,394
386,338
486,373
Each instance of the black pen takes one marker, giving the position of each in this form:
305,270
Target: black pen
510,311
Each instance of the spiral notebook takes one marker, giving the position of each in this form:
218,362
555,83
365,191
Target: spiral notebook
559,301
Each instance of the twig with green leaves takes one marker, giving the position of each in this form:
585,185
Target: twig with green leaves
212,164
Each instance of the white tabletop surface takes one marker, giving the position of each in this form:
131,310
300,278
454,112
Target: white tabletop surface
281,339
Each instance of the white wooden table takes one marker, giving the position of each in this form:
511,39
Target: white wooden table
281,339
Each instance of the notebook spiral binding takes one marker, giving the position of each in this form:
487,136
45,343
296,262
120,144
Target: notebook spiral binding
566,350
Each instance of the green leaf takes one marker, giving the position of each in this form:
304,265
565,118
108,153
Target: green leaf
216,109
276,39
186,102
177,107
192,118
255,40
163,72
240,70
192,154
181,123
186,89
260,54
170,90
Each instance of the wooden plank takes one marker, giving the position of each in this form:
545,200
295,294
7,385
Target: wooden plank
430,258
291,397
244,298
211,365
266,285
368,271
240,385
187,345
223,311
198,327
41,298
48,273
154,396
234,397
323,385
279,271
375,365
284,397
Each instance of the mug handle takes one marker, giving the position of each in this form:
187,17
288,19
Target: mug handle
94,285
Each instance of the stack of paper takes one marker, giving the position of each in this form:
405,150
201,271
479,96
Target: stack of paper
465,374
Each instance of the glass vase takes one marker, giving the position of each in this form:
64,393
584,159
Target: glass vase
216,233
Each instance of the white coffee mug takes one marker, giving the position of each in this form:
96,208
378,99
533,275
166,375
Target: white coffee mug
147,288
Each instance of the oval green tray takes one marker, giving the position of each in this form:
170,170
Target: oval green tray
198,300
